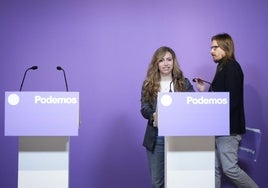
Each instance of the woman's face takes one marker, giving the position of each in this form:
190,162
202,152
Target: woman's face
165,65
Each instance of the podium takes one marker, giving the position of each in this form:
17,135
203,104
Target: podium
43,121
189,121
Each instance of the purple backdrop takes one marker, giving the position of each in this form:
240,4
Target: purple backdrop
105,48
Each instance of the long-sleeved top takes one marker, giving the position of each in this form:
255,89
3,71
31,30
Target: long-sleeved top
231,79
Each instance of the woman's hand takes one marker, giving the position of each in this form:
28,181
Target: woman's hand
155,119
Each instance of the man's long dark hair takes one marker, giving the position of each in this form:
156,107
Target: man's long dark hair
226,43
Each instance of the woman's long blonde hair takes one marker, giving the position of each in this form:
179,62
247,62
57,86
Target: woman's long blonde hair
151,84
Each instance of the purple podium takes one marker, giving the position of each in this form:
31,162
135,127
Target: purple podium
43,121
189,121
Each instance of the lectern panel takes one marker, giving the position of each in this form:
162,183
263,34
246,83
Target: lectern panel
193,113
41,113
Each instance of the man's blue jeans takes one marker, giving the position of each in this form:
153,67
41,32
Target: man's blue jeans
156,161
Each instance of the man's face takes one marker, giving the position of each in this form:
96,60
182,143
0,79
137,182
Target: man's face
216,52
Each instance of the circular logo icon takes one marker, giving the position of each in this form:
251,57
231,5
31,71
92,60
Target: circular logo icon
166,100
13,99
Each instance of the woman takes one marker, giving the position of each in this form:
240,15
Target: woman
163,75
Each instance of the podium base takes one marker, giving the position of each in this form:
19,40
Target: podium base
190,162
43,162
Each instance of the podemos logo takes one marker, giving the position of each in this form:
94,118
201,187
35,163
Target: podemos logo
203,100
13,99
54,100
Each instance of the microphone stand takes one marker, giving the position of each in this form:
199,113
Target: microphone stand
31,68
66,85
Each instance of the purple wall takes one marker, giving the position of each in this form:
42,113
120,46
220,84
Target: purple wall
105,48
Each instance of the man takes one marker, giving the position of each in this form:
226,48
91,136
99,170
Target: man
229,78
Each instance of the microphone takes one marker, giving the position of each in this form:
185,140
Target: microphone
60,68
175,78
31,68
200,80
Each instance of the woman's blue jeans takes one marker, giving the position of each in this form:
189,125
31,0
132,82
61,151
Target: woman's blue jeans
156,161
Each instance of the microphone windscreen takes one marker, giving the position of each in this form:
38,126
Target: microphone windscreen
59,68
34,67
